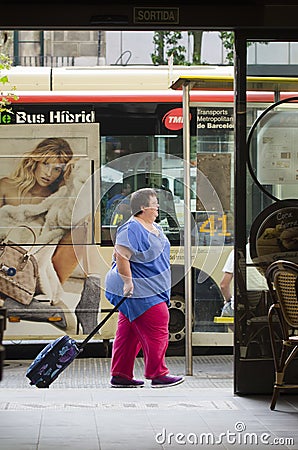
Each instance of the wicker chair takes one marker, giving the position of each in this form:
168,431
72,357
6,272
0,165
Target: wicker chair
282,279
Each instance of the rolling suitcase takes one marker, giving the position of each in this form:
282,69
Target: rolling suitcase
58,355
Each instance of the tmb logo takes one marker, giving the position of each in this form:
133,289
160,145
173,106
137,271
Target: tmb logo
173,119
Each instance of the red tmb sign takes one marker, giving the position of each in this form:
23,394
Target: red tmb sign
173,119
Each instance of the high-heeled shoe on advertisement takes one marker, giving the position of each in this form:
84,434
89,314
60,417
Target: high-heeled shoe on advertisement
37,311
88,307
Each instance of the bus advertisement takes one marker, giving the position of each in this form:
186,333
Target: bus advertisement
117,142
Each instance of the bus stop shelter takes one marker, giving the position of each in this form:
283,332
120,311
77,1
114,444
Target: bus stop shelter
240,84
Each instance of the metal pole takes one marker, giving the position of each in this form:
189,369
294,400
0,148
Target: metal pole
187,233
240,145
240,184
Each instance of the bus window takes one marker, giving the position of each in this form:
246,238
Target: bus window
137,147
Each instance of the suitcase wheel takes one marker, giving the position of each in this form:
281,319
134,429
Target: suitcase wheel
42,384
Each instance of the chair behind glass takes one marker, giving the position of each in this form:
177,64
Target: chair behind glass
282,279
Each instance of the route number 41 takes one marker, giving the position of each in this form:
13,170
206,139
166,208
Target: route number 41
215,225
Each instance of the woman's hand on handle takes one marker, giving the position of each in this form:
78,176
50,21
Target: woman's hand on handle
128,288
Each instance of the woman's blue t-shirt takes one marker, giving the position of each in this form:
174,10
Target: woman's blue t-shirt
150,267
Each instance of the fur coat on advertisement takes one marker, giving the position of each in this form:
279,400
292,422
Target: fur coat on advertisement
50,219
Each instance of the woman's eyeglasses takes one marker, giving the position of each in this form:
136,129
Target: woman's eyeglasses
155,205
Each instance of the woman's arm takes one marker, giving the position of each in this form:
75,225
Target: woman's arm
3,191
225,285
9,193
123,255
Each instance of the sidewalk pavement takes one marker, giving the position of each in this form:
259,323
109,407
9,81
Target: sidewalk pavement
80,411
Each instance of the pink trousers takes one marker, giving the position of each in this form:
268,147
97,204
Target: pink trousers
149,332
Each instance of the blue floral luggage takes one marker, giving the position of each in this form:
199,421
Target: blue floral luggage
58,355
52,360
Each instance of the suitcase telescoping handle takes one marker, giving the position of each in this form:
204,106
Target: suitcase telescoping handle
97,328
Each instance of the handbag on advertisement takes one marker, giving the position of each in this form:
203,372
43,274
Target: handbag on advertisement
18,270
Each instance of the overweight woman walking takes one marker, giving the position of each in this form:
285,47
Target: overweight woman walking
141,271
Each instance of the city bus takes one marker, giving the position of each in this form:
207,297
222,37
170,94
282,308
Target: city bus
131,136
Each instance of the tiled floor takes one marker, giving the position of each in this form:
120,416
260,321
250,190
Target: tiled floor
81,412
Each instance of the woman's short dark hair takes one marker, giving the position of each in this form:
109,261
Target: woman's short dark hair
140,198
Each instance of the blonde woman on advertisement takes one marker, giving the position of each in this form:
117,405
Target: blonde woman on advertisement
41,174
